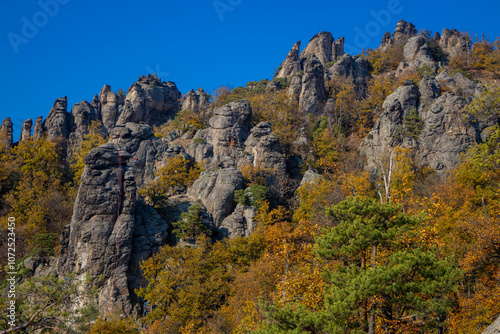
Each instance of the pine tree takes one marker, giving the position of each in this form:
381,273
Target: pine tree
190,226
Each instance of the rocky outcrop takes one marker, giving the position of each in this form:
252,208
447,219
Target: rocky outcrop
215,190
229,128
38,129
98,242
26,131
110,105
6,133
112,230
196,101
494,328
404,30
151,101
351,69
56,125
444,135
453,42
313,95
82,115
240,223
324,47
459,85
291,65
416,47
264,148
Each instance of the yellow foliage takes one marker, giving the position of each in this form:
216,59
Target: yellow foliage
114,325
179,172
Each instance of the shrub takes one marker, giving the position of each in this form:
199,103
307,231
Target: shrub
251,196
191,226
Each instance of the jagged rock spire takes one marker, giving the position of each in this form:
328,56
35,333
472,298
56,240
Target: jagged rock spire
6,133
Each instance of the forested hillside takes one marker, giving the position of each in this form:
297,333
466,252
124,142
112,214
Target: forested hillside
349,194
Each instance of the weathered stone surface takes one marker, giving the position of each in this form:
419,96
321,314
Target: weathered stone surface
264,148
404,30
151,101
415,47
82,115
6,133
459,85
26,132
313,94
351,69
295,88
196,101
109,105
99,242
453,42
291,65
229,128
494,328
324,47
56,124
38,129
240,223
215,190
445,134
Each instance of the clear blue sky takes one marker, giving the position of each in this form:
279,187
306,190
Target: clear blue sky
78,46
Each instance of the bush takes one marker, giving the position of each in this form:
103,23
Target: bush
252,196
191,226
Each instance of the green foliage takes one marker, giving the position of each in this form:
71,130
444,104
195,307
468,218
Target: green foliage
45,244
252,196
188,286
198,140
412,124
283,82
437,53
120,92
486,107
50,302
382,269
176,176
94,138
425,70
191,226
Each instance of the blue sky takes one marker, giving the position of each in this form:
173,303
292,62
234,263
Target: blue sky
54,48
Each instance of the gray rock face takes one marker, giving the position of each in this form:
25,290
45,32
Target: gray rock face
26,132
444,134
295,88
494,328
453,42
100,236
56,124
264,148
240,223
215,190
459,84
111,230
6,133
404,30
82,115
415,47
196,101
324,47
151,101
291,65
109,105
351,69
313,94
229,128
38,129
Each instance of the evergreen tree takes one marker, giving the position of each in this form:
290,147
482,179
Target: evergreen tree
190,226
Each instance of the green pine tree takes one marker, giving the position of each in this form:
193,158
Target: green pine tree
190,226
